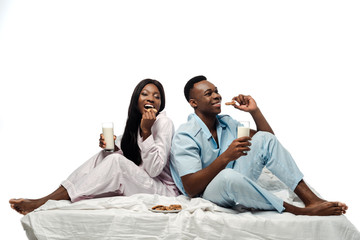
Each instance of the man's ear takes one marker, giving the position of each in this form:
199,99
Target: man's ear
193,103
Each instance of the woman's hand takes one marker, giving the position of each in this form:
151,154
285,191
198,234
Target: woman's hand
246,103
102,142
147,120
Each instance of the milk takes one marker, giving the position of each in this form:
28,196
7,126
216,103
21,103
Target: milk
243,131
108,132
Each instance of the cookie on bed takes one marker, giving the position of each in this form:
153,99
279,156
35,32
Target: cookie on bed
174,207
159,207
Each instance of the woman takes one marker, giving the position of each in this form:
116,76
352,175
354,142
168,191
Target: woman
140,163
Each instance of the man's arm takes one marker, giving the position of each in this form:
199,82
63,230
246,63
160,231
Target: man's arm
248,104
261,122
195,183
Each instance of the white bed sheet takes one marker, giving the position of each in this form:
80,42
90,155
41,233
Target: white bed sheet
130,218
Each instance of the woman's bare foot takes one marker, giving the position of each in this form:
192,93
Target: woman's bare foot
25,206
319,208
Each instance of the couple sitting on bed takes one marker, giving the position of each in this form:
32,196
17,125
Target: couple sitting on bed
204,158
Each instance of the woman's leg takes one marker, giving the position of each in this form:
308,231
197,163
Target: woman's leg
114,176
25,206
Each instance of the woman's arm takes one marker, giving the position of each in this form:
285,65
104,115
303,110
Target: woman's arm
155,149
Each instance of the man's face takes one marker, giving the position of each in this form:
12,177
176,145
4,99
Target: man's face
205,99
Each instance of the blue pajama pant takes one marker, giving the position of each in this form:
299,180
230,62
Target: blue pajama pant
237,185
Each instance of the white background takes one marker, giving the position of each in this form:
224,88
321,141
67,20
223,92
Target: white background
67,66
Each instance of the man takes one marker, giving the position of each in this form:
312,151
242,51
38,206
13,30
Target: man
208,160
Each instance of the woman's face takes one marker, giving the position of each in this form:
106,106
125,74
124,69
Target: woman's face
149,98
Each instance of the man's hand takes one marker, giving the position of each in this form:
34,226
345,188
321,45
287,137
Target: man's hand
245,103
239,147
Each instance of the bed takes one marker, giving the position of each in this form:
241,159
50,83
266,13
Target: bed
130,218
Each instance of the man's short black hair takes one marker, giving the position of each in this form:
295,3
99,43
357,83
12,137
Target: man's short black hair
190,84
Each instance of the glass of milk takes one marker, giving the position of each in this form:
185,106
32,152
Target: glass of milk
243,129
108,132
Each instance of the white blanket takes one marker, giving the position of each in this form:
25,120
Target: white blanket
130,218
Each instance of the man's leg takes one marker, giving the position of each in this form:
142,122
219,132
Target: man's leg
313,204
230,188
267,151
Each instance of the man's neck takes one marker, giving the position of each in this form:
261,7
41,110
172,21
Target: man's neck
210,121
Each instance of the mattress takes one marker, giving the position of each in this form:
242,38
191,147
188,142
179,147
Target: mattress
130,218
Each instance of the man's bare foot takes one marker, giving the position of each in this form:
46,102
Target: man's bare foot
319,201
25,206
319,208
314,206
343,206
